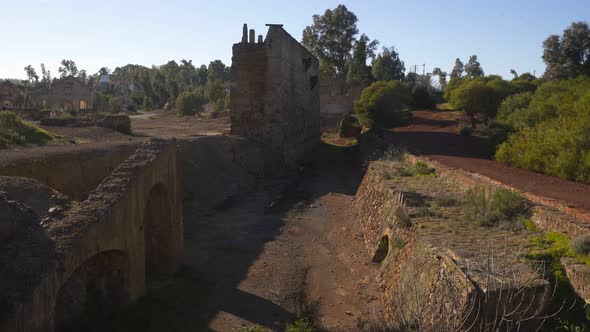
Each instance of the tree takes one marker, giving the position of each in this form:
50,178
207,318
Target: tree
45,76
331,38
104,71
442,77
218,71
473,67
189,103
358,71
568,55
458,69
32,74
68,68
514,73
388,66
83,75
383,104
202,74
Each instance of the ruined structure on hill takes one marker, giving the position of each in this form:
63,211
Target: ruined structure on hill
275,95
68,93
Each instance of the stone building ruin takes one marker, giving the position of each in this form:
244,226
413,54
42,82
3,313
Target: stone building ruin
275,95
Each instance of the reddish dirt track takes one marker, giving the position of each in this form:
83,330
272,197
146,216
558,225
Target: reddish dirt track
434,134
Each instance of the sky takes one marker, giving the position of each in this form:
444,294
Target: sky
505,34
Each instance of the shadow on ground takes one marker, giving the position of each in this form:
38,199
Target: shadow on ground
223,245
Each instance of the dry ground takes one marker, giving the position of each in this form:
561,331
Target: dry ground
169,125
267,265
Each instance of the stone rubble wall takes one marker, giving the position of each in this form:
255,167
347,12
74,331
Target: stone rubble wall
421,276
110,220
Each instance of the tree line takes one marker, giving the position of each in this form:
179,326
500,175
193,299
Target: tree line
154,87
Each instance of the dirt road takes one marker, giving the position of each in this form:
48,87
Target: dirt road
269,264
434,134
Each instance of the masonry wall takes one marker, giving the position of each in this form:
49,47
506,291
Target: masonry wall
110,225
275,97
75,171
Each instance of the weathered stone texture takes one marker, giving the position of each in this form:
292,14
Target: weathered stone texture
275,97
75,172
419,276
130,224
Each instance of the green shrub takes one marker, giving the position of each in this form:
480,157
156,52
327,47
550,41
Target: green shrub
420,168
513,108
581,244
189,103
14,131
553,133
445,201
300,325
403,220
501,206
475,96
383,104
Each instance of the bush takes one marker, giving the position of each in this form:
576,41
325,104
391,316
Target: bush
421,98
581,244
420,168
555,133
502,206
115,104
445,201
383,104
14,131
403,220
474,96
189,103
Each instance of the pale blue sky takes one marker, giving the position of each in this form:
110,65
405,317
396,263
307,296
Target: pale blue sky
504,34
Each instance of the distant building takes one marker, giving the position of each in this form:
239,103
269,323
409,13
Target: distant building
68,93
337,98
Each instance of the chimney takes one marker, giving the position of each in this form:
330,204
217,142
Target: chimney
252,36
260,40
245,33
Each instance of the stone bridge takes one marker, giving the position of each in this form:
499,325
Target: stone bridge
60,261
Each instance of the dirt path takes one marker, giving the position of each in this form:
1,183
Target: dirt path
169,125
267,265
434,134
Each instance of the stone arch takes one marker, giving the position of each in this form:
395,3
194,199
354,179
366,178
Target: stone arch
158,231
83,104
382,249
98,287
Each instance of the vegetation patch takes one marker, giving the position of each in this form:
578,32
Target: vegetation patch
14,131
383,104
500,207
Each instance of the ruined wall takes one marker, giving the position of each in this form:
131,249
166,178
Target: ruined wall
337,98
218,168
75,171
425,277
275,96
110,239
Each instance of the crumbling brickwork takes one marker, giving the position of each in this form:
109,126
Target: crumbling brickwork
101,249
275,96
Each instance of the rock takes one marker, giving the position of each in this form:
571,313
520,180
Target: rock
56,210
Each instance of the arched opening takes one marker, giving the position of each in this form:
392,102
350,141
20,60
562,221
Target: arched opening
158,232
96,289
382,250
83,104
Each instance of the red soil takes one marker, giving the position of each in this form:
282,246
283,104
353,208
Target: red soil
434,135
